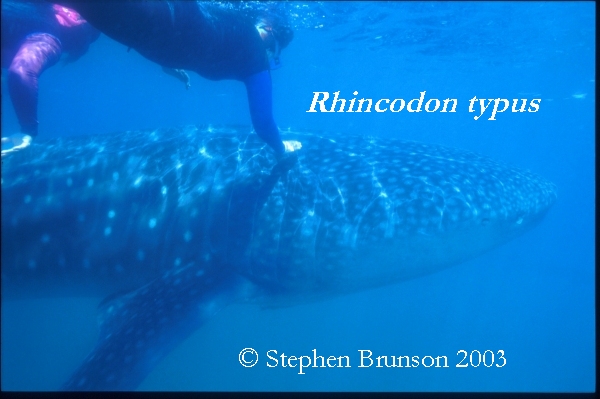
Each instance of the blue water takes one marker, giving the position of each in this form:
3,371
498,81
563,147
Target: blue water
532,298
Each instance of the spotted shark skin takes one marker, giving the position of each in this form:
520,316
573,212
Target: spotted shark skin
171,225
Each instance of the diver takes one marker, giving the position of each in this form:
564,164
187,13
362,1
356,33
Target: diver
34,36
212,40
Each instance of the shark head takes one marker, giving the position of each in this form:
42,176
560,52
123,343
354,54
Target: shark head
358,212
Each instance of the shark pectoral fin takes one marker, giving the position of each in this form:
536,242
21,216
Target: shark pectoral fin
110,309
264,189
233,214
284,163
145,325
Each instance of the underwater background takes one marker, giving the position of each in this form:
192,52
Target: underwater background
533,297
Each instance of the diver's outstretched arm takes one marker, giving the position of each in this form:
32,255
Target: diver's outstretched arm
260,101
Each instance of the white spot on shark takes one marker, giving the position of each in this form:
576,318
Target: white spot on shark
202,151
152,223
107,231
111,214
90,182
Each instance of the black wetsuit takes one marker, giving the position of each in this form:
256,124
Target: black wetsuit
216,43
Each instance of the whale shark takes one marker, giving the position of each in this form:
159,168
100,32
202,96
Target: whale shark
171,225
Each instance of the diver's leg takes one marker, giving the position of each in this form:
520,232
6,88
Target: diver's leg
38,52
